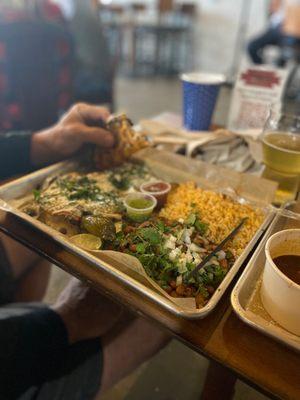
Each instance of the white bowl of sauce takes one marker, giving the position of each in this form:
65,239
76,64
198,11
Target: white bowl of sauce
158,189
280,290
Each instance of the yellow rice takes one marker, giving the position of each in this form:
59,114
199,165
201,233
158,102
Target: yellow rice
220,212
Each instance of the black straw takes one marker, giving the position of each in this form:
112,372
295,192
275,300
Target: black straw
217,249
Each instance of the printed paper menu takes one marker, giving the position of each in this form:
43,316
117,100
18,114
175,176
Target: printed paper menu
256,89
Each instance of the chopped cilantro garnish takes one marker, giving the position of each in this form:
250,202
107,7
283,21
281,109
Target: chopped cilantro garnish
201,227
82,188
161,226
191,219
37,194
151,235
140,248
121,177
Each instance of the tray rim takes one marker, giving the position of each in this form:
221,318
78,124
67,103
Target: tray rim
52,234
243,280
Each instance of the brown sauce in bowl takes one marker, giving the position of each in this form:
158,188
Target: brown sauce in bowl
289,265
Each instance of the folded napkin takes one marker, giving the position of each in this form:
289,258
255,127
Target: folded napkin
238,151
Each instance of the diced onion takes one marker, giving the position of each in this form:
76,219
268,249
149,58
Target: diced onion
221,255
179,280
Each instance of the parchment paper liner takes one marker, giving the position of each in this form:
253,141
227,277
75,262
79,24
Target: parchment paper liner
132,266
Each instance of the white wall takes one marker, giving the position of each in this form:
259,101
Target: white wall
217,30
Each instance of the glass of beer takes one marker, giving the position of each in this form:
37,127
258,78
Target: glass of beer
281,153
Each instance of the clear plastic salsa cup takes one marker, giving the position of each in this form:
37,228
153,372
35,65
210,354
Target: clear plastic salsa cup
158,189
139,206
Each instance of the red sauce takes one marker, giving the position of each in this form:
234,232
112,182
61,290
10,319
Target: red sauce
159,190
156,187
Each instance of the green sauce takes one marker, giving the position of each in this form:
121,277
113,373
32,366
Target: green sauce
139,208
140,204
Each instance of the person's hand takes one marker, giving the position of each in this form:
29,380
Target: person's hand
83,123
85,313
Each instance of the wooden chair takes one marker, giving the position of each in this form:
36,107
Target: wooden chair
138,7
165,6
188,9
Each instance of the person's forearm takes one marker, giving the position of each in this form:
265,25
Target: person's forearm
22,151
41,150
291,25
275,6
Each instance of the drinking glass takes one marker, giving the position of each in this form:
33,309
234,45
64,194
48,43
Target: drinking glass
281,153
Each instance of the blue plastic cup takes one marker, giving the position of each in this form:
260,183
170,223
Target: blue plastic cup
200,92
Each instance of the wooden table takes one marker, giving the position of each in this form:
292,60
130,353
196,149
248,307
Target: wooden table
260,361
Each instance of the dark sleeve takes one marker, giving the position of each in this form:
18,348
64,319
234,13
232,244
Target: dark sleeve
32,340
14,153
35,355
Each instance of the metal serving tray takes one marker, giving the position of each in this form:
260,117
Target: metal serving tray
245,297
175,165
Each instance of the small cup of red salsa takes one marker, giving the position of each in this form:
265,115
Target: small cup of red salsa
158,189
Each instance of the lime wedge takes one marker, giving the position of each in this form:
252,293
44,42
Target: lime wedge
87,241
